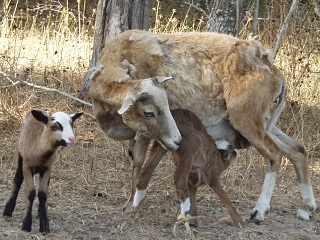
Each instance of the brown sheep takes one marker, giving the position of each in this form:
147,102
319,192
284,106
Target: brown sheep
198,162
40,137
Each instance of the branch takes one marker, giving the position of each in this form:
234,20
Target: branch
197,7
15,81
284,27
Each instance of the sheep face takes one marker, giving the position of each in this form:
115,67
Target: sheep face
149,114
60,125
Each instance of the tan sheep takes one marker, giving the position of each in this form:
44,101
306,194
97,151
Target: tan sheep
40,137
229,83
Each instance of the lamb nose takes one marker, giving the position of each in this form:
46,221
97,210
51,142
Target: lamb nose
72,139
177,142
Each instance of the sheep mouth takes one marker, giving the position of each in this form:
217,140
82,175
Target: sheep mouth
171,147
62,143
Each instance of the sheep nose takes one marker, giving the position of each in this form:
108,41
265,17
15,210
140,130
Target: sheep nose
178,142
72,139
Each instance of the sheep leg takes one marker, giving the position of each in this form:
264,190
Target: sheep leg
187,202
131,144
223,196
130,148
43,195
156,154
139,153
252,128
181,175
30,194
193,209
18,179
296,153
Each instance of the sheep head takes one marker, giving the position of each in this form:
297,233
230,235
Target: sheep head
148,113
59,126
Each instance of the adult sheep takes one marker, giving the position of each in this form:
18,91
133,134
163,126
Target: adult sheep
229,83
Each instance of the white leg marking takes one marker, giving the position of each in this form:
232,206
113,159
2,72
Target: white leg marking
185,206
263,204
138,197
222,144
308,202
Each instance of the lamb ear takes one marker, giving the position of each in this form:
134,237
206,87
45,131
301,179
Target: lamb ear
127,103
76,116
40,116
162,79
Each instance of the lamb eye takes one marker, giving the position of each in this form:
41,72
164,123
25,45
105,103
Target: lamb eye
149,114
57,126
54,128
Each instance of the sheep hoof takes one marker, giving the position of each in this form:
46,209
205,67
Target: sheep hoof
136,209
190,230
26,227
256,216
7,218
304,215
127,205
44,227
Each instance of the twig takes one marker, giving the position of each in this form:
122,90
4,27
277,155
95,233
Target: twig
197,7
284,27
15,81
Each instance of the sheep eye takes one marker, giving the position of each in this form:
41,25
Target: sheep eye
57,126
54,128
149,114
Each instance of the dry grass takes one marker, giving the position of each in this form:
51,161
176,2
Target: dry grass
91,181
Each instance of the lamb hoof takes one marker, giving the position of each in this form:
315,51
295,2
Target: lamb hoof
189,227
7,218
194,223
26,228
44,226
136,209
127,206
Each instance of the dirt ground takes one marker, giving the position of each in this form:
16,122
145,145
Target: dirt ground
91,182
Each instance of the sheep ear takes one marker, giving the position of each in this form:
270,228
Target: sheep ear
127,103
76,116
40,116
162,79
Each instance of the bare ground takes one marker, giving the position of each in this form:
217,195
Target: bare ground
91,183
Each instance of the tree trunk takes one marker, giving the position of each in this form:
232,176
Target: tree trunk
224,17
114,17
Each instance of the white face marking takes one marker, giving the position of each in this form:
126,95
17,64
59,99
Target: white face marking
185,206
222,144
138,197
171,136
263,204
66,123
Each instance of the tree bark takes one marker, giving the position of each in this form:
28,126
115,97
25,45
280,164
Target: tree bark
223,17
114,17
255,18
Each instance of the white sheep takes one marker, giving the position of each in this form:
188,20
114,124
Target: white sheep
40,137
